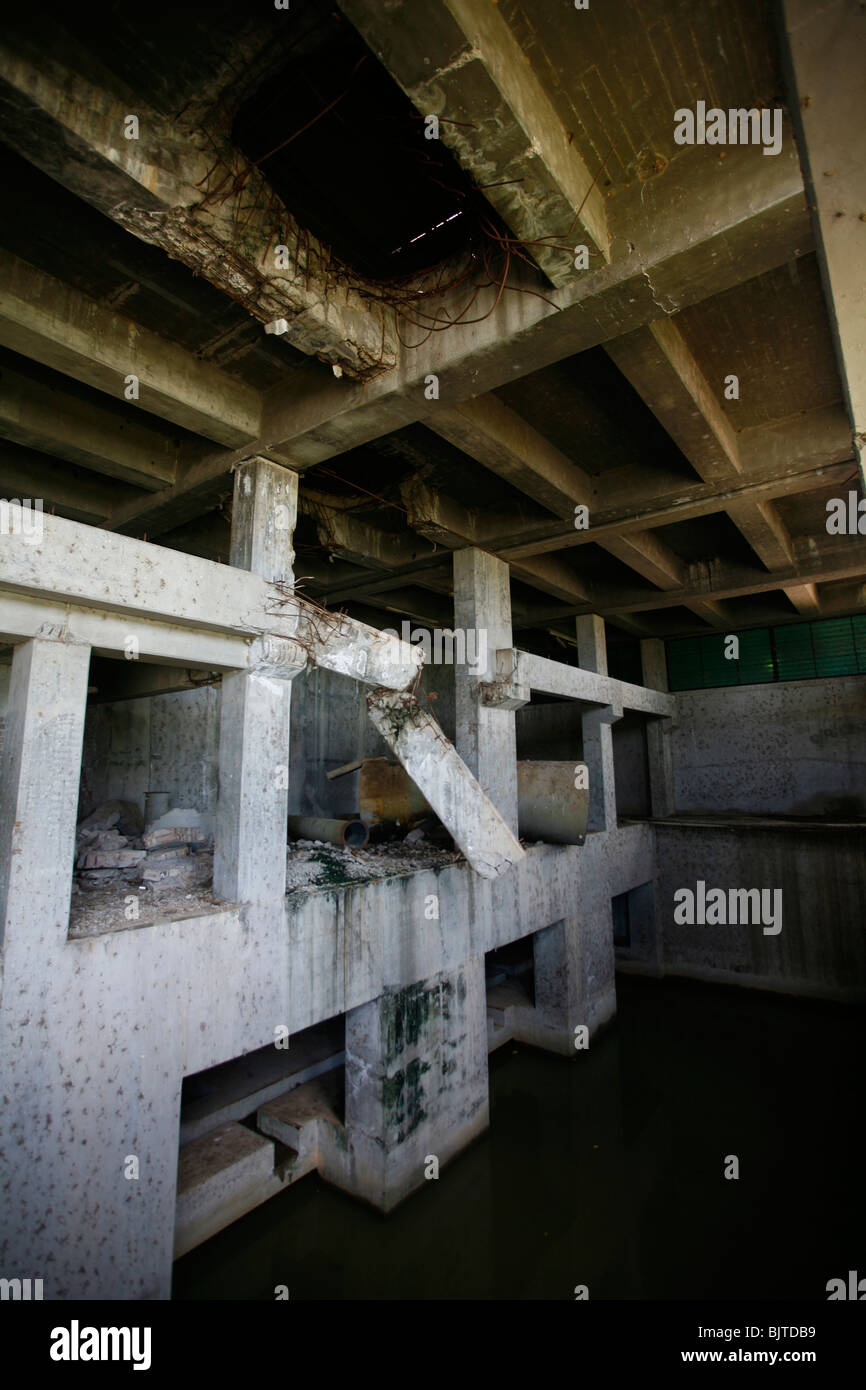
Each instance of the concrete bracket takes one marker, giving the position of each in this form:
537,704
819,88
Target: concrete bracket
276,656
501,694
54,632
504,691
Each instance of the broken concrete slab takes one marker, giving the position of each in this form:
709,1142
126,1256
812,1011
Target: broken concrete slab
113,858
435,766
221,1177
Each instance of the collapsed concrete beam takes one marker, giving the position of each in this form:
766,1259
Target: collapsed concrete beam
199,199
496,118
438,771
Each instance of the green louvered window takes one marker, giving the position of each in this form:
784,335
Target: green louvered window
803,651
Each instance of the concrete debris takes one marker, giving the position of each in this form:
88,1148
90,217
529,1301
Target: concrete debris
171,836
123,814
173,851
113,858
315,864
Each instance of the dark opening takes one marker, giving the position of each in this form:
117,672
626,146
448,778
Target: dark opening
347,152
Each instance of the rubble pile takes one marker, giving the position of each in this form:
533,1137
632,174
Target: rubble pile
113,846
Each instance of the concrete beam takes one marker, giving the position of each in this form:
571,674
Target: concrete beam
662,369
498,438
89,433
361,544
805,599
198,198
716,580
46,319
592,687
825,46
441,775
78,494
496,118
114,574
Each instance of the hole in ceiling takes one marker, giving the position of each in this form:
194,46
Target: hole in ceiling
346,151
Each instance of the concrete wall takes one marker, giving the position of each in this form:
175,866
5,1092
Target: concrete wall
162,743
797,748
821,948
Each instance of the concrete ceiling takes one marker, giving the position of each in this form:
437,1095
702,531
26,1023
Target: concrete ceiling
557,388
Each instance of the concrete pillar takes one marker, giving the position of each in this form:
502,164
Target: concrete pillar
250,840
597,734
486,737
41,770
416,1082
658,731
573,962
823,59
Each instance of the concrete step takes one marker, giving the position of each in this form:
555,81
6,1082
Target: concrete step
237,1088
509,995
221,1177
294,1118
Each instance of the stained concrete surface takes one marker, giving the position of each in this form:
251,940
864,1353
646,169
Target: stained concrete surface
607,1171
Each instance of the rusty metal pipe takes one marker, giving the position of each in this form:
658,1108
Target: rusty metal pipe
549,806
353,834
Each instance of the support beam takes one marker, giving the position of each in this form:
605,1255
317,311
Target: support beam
94,434
498,438
662,369
716,581
361,544
486,738
496,118
75,492
46,319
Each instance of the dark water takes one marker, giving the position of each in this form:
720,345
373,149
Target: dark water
608,1171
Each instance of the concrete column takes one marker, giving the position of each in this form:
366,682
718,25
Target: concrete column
597,734
250,841
486,738
658,731
41,770
264,512
824,70
416,1082
574,974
